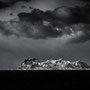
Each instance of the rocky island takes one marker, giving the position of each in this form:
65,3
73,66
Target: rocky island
59,64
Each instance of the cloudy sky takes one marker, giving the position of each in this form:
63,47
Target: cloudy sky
45,29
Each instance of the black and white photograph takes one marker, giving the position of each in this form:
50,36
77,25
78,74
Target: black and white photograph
44,35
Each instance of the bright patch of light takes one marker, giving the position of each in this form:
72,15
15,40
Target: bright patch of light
71,30
58,29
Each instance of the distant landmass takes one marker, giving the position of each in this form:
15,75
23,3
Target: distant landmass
59,64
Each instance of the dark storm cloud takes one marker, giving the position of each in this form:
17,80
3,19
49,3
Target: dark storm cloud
12,1
72,24
67,15
86,0
3,5
73,15
8,3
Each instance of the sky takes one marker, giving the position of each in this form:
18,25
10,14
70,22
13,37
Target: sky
55,29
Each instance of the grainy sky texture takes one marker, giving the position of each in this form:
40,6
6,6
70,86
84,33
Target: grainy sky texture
51,31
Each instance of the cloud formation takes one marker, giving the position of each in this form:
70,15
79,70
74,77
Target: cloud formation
3,5
86,0
8,3
12,1
64,14
71,24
